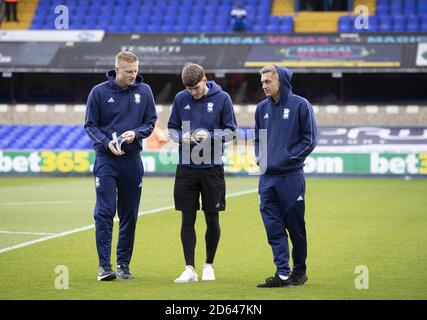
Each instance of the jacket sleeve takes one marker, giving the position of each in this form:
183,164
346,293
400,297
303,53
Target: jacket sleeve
175,124
308,128
256,139
92,119
149,119
228,123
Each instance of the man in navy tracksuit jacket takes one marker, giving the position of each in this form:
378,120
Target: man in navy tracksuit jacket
123,105
202,119
285,134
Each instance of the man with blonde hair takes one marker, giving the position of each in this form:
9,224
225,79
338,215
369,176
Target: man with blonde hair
120,113
285,134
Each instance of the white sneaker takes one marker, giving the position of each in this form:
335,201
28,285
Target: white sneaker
208,272
189,275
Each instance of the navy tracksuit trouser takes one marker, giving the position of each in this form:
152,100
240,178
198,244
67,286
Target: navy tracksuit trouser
118,184
282,209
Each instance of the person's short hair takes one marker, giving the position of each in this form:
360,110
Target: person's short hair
267,69
192,74
126,56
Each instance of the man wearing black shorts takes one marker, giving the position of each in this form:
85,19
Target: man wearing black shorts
202,120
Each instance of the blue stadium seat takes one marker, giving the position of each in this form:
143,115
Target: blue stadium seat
274,21
156,19
422,8
206,28
153,27
287,27
186,2
113,28
344,27
180,28
193,28
409,10
170,18
382,11
259,28
382,2
344,19
140,28
76,22
398,18
385,24
398,27
398,23
220,29
172,10
168,28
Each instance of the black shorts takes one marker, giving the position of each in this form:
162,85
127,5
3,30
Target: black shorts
191,182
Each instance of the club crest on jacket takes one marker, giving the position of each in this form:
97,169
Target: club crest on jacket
286,113
210,106
137,98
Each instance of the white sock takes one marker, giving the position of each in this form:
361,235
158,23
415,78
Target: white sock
283,277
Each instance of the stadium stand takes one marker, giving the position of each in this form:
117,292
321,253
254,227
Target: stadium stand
44,127
203,16
43,137
164,16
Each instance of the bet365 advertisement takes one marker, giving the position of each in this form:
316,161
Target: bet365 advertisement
81,162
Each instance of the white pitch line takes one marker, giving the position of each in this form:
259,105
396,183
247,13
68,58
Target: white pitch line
92,226
36,203
49,202
29,233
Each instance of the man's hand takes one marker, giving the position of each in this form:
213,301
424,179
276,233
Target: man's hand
201,135
112,147
186,138
128,136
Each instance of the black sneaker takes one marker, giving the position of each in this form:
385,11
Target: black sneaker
123,272
275,282
298,278
105,273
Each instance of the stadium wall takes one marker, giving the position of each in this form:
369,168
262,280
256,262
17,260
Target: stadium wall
326,115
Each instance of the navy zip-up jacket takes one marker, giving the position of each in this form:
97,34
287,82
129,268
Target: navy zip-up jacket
111,108
291,130
214,113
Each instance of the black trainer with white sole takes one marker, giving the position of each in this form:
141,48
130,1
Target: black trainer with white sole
275,282
105,273
298,278
123,272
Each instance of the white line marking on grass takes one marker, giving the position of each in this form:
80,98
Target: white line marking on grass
49,202
58,235
36,203
241,193
29,233
92,226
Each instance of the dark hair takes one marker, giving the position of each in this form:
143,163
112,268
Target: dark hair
192,74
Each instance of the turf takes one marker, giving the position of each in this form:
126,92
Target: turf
377,223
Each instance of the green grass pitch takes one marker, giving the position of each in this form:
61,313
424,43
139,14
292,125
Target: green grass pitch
377,223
